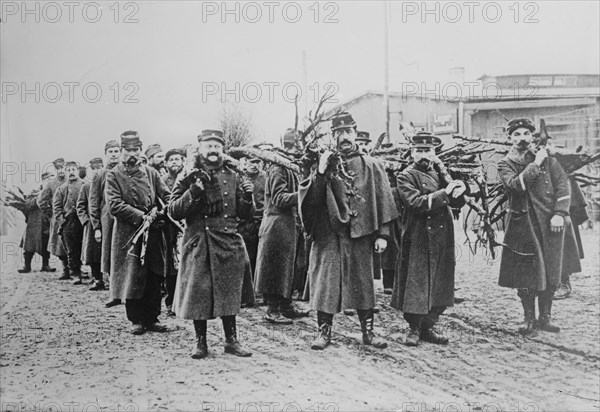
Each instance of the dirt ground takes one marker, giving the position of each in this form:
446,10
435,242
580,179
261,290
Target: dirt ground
61,350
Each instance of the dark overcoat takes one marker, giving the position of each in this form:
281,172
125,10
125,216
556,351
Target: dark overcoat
100,217
213,257
131,192
37,227
44,201
425,270
91,251
343,229
389,258
279,235
172,235
536,193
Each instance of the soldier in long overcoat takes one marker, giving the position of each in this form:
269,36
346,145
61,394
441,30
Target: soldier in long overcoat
539,231
424,282
281,242
64,206
174,163
213,260
35,237
100,218
345,226
91,251
44,201
248,228
132,192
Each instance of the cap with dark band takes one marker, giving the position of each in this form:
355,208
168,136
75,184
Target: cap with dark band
208,134
71,163
153,149
343,120
514,124
425,139
46,175
130,139
363,136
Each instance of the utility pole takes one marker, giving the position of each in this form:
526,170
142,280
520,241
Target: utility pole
386,14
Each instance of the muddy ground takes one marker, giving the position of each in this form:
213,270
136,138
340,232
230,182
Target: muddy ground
62,350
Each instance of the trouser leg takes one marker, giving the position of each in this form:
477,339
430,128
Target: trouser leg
27,258
432,317
388,279
73,237
96,273
170,283
414,320
146,310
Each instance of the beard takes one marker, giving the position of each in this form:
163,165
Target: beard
132,161
423,163
209,155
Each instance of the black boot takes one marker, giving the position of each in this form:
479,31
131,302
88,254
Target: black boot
564,291
545,305
231,343
201,350
78,277
289,311
27,257
46,263
112,302
366,326
66,275
529,327
325,322
414,336
273,314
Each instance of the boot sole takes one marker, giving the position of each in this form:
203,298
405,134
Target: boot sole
197,356
241,355
279,322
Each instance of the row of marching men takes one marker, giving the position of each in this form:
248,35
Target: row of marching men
346,223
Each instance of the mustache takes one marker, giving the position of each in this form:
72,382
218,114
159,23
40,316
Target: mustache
132,160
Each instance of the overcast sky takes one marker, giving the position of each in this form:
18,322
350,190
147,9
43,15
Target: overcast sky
172,60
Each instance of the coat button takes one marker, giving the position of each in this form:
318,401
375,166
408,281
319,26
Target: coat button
225,193
225,215
224,181
428,227
225,204
206,227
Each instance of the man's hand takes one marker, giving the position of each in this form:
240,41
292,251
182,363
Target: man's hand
436,160
541,155
196,188
248,187
98,235
557,223
455,185
324,161
380,245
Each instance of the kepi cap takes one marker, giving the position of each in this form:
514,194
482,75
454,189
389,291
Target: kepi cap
209,134
343,120
130,139
425,139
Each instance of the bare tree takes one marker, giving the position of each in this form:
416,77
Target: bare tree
237,126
